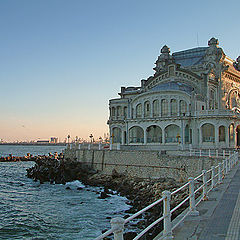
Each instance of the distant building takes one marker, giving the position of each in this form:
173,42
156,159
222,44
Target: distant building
42,141
192,100
54,140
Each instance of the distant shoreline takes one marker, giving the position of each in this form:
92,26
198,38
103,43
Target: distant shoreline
35,144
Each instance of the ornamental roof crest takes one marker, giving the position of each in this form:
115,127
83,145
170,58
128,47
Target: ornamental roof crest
213,59
164,59
236,64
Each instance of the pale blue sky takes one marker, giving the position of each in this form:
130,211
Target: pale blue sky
62,60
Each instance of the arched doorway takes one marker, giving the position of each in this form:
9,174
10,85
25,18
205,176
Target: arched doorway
117,135
154,134
238,135
208,132
172,134
136,135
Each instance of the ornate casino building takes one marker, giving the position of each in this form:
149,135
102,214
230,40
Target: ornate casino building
191,101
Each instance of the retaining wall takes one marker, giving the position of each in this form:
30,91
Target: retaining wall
143,164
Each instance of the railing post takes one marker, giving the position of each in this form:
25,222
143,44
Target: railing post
223,169
117,225
219,173
209,152
89,146
216,153
230,162
204,172
193,210
236,157
167,224
100,146
200,152
111,146
223,153
212,177
226,166
79,146
190,153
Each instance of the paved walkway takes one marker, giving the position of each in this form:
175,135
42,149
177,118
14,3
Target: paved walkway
219,217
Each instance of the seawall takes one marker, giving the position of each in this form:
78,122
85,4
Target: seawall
143,164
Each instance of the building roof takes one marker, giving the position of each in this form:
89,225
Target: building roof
190,57
173,85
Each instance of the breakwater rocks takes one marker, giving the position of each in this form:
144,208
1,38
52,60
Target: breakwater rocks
11,158
140,192
58,170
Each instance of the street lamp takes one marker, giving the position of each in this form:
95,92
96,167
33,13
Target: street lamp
91,136
68,136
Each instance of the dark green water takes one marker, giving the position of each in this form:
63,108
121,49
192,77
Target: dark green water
29,210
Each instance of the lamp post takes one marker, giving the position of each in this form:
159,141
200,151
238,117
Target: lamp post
91,137
68,137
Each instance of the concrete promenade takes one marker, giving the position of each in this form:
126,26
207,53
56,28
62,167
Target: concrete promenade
219,217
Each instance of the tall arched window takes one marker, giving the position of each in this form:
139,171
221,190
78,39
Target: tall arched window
182,107
212,99
113,111
164,107
231,133
154,134
155,108
172,134
117,135
139,110
173,107
187,139
208,133
147,109
119,111
125,112
221,133
136,135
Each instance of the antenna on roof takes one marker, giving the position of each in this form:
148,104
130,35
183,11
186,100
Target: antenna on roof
197,40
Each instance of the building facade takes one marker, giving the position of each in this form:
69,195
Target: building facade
191,101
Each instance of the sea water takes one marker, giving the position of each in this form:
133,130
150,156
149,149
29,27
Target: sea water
29,210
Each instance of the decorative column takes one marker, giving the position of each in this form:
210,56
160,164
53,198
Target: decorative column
163,135
227,136
216,136
145,136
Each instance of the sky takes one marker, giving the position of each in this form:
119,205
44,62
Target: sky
62,60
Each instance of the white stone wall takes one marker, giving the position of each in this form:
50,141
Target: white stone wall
144,164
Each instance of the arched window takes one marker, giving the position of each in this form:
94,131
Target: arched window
182,107
231,133
147,109
212,99
118,111
221,133
139,110
125,111
234,99
164,107
113,111
208,133
155,108
117,135
154,134
187,140
172,134
173,107
136,135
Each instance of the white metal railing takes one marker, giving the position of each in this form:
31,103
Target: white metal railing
200,185
209,153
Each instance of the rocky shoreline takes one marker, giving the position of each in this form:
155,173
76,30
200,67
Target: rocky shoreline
139,192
